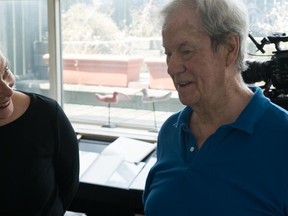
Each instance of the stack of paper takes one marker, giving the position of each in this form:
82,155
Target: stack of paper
131,150
117,165
139,182
86,159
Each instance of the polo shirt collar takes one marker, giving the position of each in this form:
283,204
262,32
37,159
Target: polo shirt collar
246,121
253,112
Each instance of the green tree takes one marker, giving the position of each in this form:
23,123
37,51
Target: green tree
145,21
87,30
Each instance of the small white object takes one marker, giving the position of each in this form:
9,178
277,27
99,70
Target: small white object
192,149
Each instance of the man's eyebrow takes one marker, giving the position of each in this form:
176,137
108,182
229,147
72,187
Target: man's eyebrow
185,44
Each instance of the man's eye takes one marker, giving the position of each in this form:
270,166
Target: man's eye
186,54
168,56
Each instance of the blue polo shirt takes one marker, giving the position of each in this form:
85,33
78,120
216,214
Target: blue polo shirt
241,169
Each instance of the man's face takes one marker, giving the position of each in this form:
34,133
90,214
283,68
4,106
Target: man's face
197,71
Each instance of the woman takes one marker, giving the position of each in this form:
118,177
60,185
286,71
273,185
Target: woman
38,152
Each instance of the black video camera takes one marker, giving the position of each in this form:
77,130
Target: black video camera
273,72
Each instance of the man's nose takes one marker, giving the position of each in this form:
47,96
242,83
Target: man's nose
175,65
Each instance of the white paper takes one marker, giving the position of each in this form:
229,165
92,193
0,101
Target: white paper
117,165
130,149
101,169
85,160
125,174
140,180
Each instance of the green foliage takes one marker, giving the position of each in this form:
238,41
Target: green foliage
145,21
88,29
84,27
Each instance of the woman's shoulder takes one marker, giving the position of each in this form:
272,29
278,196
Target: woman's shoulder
42,105
21,103
41,100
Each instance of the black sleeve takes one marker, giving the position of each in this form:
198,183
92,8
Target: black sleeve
66,160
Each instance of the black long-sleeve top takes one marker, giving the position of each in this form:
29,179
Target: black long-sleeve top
39,161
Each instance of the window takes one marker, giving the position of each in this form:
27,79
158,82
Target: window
114,46
75,50
24,39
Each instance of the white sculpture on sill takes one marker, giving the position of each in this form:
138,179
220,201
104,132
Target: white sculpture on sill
148,98
109,99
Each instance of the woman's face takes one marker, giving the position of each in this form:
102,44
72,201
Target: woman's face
7,81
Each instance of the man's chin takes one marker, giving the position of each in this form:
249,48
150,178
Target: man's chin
187,101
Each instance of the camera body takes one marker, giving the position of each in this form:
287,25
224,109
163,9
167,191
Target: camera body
273,72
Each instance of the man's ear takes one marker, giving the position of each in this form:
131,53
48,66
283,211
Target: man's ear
233,47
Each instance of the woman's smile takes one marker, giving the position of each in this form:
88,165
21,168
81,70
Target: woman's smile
4,104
